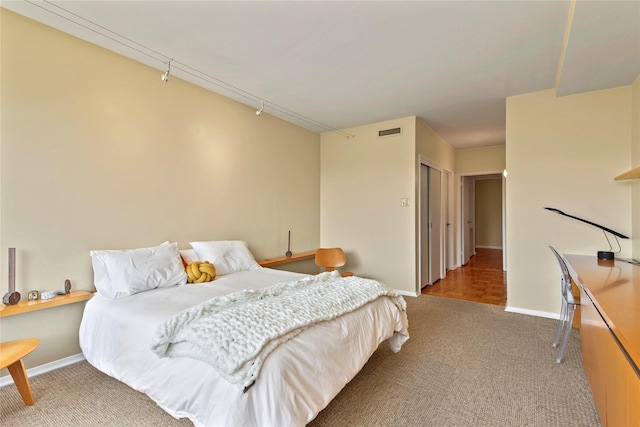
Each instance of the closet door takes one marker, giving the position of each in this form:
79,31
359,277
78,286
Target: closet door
435,224
430,225
424,226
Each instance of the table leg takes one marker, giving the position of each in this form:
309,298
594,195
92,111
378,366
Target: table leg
19,375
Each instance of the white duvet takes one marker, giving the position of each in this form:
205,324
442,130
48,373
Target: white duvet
298,379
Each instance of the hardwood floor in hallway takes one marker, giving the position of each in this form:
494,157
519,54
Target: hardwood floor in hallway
480,280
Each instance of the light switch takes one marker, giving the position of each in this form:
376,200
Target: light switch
404,202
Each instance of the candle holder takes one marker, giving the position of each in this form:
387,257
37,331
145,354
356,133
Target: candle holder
288,253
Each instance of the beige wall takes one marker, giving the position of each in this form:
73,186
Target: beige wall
363,180
488,213
97,152
431,146
474,161
635,162
564,153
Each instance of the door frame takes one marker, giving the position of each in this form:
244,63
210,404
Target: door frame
467,202
459,228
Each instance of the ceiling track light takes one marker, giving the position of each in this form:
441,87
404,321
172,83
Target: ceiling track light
165,76
259,112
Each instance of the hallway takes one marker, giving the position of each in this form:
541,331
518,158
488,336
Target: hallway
480,280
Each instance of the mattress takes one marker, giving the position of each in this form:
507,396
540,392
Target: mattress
297,381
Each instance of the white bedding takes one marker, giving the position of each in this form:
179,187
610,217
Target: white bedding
298,379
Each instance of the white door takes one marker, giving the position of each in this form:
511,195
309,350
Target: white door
424,226
435,224
447,248
430,225
468,209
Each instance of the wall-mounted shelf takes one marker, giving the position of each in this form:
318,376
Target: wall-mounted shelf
27,306
284,259
632,174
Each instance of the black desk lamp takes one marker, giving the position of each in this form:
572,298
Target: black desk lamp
601,254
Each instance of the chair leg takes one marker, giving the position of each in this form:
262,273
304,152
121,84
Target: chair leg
561,320
19,376
571,309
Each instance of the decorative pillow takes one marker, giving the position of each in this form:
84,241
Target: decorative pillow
200,272
228,256
119,273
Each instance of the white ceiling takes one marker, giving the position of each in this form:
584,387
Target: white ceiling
344,64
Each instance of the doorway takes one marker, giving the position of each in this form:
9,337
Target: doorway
473,198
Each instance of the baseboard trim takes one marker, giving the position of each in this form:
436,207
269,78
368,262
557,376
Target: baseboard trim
488,247
47,367
407,293
536,313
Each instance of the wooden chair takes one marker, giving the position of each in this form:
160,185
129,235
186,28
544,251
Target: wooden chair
11,354
331,258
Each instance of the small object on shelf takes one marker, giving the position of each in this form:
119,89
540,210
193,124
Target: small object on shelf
288,253
12,297
33,296
47,295
67,288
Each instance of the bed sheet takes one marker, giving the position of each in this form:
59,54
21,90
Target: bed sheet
297,380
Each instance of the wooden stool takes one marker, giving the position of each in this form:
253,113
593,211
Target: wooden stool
331,258
11,354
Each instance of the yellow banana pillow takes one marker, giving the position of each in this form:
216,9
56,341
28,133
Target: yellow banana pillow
200,272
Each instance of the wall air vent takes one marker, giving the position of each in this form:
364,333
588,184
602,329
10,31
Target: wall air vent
389,132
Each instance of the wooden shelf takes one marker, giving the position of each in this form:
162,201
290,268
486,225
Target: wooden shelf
25,306
284,259
632,174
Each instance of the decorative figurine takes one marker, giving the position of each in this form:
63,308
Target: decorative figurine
12,297
67,288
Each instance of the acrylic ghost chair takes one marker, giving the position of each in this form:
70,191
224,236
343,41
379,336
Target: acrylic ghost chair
568,306
331,258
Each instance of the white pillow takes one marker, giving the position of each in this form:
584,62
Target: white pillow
189,255
119,273
228,256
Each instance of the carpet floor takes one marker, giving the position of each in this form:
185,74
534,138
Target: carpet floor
466,364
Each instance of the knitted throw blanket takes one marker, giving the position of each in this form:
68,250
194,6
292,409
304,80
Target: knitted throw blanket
235,333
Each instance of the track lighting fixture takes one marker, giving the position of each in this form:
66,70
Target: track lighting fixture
259,112
165,76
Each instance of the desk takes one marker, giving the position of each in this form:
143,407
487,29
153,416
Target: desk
610,334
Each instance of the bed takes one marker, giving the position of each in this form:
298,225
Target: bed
297,380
